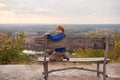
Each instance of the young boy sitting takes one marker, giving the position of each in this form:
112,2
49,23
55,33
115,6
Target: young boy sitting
59,53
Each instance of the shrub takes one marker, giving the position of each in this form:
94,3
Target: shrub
11,49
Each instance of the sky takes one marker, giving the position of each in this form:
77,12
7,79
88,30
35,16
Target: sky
60,11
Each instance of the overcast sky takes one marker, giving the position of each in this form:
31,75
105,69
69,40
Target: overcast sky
60,11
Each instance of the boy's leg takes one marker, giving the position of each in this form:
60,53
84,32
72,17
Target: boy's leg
56,56
65,57
49,51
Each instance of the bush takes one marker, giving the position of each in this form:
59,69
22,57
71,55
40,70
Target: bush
11,49
88,53
115,53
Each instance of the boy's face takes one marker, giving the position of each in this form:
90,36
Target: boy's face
58,31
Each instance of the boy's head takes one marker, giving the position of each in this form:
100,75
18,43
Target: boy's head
60,29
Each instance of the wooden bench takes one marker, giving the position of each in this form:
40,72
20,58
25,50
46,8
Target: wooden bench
72,43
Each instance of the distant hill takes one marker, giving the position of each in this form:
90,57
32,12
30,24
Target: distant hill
51,27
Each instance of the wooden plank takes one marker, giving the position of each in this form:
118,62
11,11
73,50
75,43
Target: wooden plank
78,68
74,42
41,59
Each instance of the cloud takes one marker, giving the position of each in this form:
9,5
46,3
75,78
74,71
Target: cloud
2,5
7,16
43,10
67,11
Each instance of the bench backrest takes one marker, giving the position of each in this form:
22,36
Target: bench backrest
71,43
41,44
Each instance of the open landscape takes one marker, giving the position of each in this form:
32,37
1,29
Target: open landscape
82,34
12,67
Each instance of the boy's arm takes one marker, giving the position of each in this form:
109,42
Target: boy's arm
56,37
46,34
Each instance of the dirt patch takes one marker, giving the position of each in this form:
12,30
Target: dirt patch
34,72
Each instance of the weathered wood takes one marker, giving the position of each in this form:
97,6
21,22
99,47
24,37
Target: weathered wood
71,43
105,58
41,59
78,68
45,65
74,42
98,69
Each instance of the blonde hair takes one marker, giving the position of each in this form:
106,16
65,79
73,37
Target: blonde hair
60,27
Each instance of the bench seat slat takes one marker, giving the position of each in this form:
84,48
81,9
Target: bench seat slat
101,59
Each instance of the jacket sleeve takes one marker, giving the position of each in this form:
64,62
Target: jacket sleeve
56,37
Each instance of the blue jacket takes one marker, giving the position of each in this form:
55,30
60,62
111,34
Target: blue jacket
57,38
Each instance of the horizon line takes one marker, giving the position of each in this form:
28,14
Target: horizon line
57,23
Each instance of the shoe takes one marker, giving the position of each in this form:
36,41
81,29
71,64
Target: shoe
67,59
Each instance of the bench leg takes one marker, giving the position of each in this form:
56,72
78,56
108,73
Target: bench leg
45,65
98,69
104,71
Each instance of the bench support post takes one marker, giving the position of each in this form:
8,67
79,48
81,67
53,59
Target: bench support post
45,65
98,69
104,70
105,57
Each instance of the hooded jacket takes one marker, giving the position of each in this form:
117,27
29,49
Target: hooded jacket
57,38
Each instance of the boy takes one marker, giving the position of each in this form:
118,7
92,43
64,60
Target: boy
59,53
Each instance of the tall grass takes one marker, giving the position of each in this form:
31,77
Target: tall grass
115,53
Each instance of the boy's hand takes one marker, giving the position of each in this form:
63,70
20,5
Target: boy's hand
46,34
